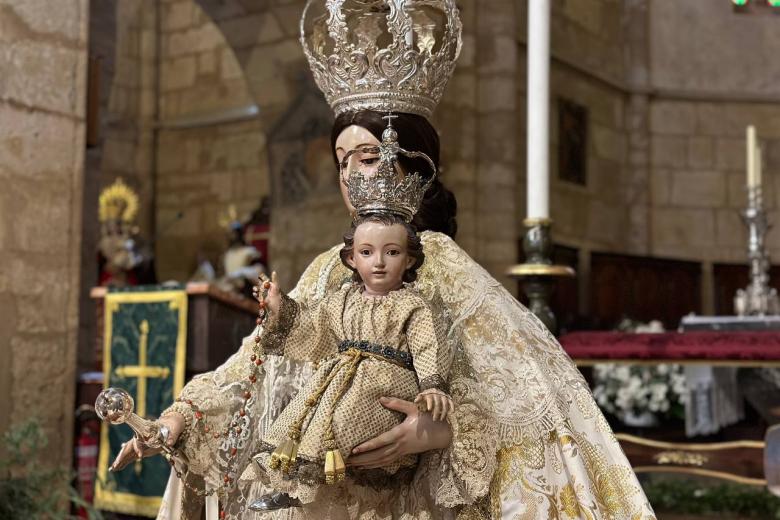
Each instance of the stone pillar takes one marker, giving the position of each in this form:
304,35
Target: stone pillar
496,137
637,66
129,133
43,56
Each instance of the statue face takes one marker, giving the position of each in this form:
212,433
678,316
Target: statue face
350,138
380,256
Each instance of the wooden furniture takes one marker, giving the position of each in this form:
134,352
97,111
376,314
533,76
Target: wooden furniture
642,288
738,461
217,322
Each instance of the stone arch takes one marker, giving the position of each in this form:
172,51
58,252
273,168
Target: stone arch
307,215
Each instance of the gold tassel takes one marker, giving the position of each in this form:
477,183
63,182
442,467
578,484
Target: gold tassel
276,456
284,456
289,457
334,467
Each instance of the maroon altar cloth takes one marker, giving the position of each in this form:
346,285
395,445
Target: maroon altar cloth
758,348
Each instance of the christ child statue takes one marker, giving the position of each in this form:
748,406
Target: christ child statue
375,337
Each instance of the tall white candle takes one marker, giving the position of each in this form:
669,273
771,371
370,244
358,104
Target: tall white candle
759,165
751,156
538,129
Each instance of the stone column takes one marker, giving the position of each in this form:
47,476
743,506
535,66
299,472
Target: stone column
496,136
43,56
637,66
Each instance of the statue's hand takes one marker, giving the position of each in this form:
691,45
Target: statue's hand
132,450
268,292
416,434
136,449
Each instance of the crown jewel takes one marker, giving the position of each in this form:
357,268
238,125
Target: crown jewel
382,55
385,190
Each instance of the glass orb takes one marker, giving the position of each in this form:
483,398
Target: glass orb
114,405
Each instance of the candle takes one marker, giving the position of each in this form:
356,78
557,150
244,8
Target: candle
759,165
751,156
538,187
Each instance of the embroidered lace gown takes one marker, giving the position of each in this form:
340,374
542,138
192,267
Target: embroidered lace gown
366,347
529,442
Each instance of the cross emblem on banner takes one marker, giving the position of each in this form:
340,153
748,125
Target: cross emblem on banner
142,371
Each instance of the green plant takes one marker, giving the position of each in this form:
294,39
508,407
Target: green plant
684,496
29,489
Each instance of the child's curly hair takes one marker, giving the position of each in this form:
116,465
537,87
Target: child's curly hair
413,243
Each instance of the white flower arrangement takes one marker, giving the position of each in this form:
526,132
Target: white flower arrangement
634,391
649,392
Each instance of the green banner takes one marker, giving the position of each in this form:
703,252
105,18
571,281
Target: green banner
144,353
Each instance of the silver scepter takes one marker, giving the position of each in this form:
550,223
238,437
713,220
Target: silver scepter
115,406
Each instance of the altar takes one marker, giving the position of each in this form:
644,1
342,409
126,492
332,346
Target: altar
737,457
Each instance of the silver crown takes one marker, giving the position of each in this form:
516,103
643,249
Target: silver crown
382,55
386,190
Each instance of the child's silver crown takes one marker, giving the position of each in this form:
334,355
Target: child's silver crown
387,191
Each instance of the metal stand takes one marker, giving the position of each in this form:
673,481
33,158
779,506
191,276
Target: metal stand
757,299
538,272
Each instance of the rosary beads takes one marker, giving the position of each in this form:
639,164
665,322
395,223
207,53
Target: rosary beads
232,432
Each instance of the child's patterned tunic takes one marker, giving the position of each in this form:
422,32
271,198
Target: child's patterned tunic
367,347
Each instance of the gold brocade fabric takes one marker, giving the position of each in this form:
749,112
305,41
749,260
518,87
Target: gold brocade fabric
529,442
403,324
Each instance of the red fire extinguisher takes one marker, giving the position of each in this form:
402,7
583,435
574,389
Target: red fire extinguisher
86,465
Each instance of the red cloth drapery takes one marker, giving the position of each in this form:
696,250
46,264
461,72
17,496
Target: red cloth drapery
688,346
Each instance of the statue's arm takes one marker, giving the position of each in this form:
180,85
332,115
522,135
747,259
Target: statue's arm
214,400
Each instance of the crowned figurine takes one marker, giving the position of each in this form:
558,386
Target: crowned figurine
375,337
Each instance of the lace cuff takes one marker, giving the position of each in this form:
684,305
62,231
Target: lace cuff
434,381
278,327
466,467
183,409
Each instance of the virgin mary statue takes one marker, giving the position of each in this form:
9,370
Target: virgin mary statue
526,440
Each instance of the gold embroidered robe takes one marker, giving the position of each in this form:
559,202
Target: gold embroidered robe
529,442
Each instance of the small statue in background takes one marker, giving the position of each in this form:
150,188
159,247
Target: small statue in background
123,260
241,263
257,229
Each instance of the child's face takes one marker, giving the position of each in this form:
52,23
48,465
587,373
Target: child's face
380,256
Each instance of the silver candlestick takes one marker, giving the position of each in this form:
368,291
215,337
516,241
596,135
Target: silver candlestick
757,299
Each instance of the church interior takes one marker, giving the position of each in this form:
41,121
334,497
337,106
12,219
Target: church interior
183,145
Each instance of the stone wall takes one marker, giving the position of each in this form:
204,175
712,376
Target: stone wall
308,216
477,122
666,151
708,48
704,98
102,55
620,59
43,57
698,177
211,146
